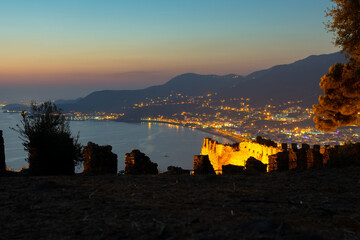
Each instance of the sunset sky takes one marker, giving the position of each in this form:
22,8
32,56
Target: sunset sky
72,47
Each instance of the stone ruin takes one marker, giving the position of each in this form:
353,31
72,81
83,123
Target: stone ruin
237,153
227,157
202,165
279,161
254,165
137,162
99,160
314,158
2,153
339,156
296,159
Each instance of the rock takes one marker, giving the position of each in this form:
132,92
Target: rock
202,165
252,164
137,162
99,160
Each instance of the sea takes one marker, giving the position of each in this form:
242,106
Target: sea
165,144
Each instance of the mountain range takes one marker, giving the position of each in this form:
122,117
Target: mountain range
281,83
296,81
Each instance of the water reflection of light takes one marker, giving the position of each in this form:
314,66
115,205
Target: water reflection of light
149,125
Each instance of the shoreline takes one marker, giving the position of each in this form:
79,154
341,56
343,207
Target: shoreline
212,131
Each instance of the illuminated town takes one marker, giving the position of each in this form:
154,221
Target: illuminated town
237,119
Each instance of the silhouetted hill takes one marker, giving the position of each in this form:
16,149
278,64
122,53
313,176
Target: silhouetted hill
295,81
189,84
16,107
195,85
63,101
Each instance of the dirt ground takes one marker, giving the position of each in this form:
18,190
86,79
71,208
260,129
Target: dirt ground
321,204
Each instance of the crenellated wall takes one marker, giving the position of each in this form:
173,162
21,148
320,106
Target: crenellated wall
235,154
281,159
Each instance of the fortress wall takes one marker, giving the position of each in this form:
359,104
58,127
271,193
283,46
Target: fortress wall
220,154
281,159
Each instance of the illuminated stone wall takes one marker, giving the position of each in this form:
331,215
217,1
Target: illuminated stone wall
236,154
281,159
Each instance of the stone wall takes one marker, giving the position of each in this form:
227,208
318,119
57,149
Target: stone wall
316,157
339,156
137,163
281,159
99,160
236,154
202,165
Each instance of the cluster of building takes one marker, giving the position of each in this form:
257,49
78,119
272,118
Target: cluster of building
99,116
286,122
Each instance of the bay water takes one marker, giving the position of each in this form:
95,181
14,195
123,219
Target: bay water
165,144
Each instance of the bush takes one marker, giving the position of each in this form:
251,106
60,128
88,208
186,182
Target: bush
47,138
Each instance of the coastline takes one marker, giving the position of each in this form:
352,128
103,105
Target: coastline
212,131
219,134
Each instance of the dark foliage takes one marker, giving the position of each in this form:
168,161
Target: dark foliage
345,24
339,106
52,150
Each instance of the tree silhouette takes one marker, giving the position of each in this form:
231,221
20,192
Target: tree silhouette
345,24
340,104
47,138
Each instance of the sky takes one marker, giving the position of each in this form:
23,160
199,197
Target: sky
69,48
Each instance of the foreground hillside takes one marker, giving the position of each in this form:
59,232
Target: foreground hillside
320,204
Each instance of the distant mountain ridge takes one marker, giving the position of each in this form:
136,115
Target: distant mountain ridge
189,84
295,81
